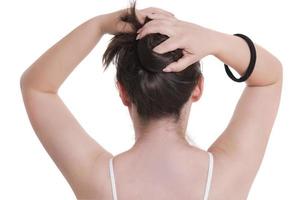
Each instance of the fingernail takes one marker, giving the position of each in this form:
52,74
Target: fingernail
166,69
137,37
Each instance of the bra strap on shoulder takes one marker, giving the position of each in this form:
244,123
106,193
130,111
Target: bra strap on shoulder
112,179
209,174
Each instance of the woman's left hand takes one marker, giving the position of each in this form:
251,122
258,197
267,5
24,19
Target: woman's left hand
111,23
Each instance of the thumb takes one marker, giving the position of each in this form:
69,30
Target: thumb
170,44
181,64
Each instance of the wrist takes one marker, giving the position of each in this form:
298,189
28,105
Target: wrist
110,23
102,22
98,21
217,42
221,43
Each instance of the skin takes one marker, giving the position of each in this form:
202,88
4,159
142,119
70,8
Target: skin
161,164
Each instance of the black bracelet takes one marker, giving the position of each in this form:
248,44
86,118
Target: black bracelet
251,64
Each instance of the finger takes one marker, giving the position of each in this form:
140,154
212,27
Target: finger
152,11
170,44
160,16
155,27
158,10
181,64
155,22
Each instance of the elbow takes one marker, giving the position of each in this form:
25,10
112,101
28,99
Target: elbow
22,80
27,83
279,65
280,71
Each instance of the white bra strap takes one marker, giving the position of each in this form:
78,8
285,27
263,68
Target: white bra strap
208,182
209,175
112,179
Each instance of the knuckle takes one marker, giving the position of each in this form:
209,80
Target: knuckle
153,9
173,20
156,21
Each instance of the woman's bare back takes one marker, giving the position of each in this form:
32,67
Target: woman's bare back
180,176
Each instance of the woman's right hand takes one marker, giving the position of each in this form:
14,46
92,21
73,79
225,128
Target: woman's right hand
196,41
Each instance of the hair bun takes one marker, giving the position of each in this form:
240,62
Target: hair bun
150,60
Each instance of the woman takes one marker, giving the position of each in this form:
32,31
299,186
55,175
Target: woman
161,164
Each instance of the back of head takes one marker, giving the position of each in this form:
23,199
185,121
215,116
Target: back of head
156,94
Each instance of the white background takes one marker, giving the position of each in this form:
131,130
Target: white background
29,28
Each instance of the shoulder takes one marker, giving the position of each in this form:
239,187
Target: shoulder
227,180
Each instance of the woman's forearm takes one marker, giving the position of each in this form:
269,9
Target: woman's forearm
234,52
50,70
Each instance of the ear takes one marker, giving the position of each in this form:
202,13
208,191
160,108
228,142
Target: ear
198,90
123,94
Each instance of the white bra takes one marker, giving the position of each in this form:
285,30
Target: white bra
208,180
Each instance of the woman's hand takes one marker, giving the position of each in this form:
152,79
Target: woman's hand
111,23
196,41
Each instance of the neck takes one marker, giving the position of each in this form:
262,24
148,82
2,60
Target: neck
162,134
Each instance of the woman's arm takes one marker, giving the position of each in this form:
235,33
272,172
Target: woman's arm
239,150
67,143
234,51
50,70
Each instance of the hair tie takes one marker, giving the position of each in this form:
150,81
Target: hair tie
251,64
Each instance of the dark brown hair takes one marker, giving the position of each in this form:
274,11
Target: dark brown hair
155,93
